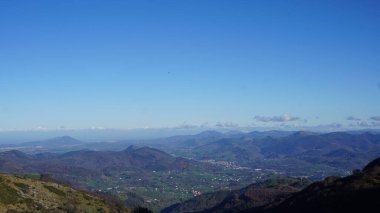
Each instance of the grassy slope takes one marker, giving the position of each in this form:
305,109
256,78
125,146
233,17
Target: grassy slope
26,194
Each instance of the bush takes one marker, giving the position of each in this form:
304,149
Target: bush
140,209
8,195
55,190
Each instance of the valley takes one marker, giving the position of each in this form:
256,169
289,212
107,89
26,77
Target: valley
141,174
354,193
138,176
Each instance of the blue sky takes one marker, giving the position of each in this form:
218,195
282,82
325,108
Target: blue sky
138,64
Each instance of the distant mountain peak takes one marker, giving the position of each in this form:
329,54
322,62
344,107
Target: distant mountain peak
63,138
131,148
210,133
58,141
15,153
234,132
304,133
146,150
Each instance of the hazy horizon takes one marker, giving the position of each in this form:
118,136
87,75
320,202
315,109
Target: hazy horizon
114,135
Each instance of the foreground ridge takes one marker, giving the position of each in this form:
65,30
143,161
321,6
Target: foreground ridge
34,194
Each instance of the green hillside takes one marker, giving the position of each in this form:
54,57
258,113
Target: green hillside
21,194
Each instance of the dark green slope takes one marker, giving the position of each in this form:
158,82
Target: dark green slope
359,192
258,194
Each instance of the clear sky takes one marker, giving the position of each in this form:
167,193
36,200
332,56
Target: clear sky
137,64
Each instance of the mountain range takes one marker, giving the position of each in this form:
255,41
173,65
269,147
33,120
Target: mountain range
58,144
335,153
316,155
86,163
158,173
